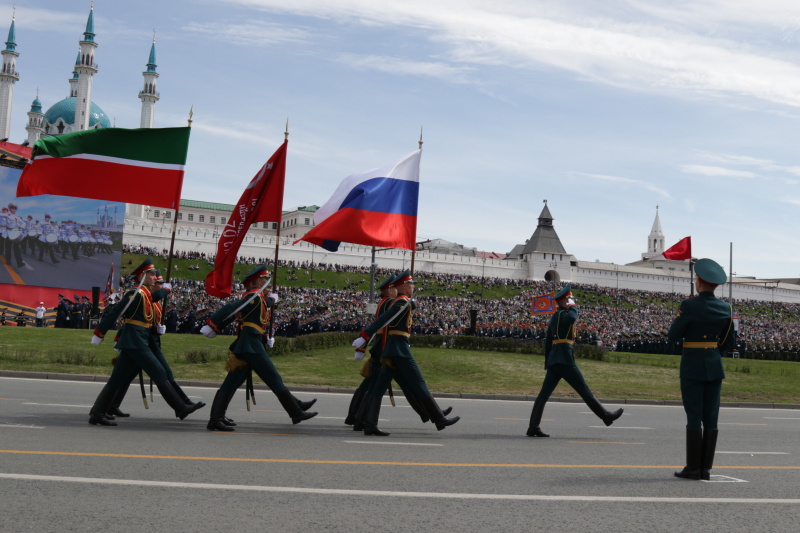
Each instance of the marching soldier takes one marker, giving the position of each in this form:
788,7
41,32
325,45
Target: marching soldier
136,344
706,326
15,224
396,359
47,238
560,364
248,351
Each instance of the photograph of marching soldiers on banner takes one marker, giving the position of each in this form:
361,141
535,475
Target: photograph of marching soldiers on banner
57,241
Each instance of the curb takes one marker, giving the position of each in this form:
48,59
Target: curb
456,395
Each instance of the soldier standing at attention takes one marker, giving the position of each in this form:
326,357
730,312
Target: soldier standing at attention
706,326
396,359
560,363
248,351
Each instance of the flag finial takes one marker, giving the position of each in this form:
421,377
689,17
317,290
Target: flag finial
420,138
191,112
286,132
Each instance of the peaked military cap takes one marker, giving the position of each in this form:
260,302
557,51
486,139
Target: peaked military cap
564,292
257,272
710,271
159,279
403,277
385,284
146,266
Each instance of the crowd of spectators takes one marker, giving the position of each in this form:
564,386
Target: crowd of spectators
608,316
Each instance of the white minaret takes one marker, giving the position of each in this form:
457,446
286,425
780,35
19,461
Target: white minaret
8,77
86,68
73,81
148,95
35,127
655,241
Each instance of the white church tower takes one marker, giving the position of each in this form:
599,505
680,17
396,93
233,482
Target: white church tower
148,94
35,127
86,69
655,241
8,77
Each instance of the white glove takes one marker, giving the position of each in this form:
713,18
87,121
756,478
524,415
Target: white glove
271,341
274,297
161,329
96,340
117,350
359,355
359,342
208,331
570,302
167,286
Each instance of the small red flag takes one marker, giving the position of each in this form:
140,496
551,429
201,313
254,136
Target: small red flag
680,251
543,304
262,201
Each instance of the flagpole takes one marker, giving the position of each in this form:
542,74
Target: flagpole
414,251
277,247
175,224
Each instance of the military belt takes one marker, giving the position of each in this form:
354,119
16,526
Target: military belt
403,333
700,344
138,323
563,341
254,326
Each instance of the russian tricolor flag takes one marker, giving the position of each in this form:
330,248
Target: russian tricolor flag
374,208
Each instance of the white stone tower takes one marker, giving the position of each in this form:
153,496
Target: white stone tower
148,95
35,127
8,77
86,69
655,241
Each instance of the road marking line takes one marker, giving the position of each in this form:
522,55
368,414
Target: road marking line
395,494
739,424
391,443
234,433
369,463
757,453
601,442
57,405
20,426
619,427
767,417
14,399
724,479
527,419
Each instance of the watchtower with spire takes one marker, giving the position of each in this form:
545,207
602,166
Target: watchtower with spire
655,241
148,95
8,77
86,69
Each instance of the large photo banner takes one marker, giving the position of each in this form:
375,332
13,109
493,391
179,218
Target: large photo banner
56,247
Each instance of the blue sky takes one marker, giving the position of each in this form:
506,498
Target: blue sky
605,109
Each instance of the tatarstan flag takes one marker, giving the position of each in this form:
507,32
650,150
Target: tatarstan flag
140,166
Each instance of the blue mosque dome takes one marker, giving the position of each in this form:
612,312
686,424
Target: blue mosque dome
36,106
65,110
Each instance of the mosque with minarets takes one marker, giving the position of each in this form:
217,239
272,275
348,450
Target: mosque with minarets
76,112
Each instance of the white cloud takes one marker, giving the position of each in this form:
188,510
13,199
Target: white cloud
395,65
708,170
250,33
629,181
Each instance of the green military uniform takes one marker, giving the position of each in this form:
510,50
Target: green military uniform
248,353
705,325
398,361
137,311
560,364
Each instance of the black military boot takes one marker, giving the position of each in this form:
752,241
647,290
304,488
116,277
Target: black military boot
291,406
184,397
355,403
536,419
694,455
709,448
225,419
368,416
601,412
436,413
218,408
305,406
97,415
174,400
113,409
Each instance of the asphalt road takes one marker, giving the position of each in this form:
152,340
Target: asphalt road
154,472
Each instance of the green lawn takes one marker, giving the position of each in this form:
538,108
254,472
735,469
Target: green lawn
193,357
